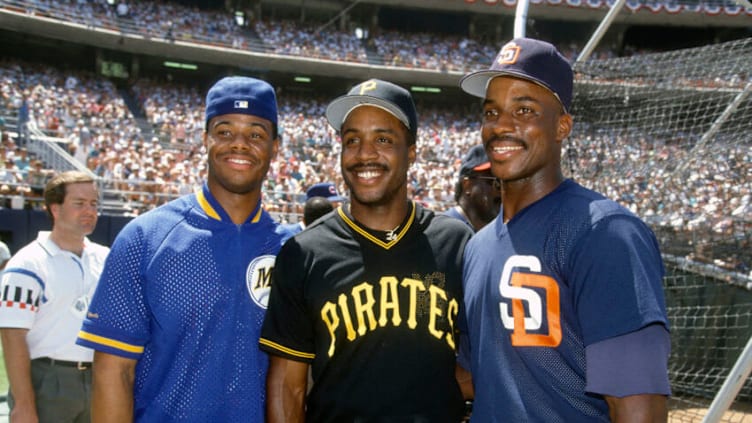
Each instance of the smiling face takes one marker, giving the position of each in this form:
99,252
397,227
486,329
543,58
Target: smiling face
240,148
376,156
523,128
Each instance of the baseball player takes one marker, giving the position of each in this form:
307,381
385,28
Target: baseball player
565,308
477,192
368,296
176,319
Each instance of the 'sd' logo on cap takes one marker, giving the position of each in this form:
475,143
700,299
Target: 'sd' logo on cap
509,54
241,104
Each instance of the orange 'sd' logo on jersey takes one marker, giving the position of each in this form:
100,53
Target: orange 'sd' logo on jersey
258,279
523,285
509,54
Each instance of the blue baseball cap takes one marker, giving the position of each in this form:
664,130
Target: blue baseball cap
375,92
326,190
244,95
534,60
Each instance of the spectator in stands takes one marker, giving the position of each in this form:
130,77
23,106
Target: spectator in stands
477,191
46,290
576,277
215,248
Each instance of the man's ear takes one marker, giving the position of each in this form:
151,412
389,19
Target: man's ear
563,127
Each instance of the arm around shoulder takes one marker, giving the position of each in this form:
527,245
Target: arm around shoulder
112,388
286,385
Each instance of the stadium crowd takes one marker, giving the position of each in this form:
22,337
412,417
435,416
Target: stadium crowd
172,21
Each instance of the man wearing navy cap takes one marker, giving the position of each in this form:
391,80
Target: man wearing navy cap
175,320
477,192
563,290
368,297
314,207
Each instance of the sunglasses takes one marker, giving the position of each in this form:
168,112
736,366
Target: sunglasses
490,180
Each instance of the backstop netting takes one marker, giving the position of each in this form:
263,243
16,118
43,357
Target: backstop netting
669,135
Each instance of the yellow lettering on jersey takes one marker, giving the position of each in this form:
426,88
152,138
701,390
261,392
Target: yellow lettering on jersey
434,310
452,311
363,298
414,285
329,316
342,301
389,301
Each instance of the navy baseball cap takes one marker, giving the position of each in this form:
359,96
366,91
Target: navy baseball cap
534,60
326,190
375,92
475,160
240,94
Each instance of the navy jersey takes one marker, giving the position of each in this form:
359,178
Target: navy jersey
184,292
375,319
569,270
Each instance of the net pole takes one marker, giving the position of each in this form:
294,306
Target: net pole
731,386
730,109
520,18
600,31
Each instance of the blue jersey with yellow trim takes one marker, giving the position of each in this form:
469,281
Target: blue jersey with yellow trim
184,291
569,270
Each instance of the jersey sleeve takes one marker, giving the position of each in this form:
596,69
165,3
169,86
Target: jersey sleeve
631,364
287,330
117,321
617,279
22,289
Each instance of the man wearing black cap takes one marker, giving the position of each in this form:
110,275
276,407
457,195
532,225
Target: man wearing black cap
477,191
368,297
175,320
563,290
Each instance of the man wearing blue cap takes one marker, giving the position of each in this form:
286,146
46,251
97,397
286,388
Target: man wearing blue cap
368,296
563,290
175,320
321,198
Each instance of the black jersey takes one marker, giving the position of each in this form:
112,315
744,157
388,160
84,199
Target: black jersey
376,319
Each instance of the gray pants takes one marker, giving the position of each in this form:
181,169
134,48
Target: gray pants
63,394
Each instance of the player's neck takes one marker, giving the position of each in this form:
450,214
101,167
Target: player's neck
380,217
66,241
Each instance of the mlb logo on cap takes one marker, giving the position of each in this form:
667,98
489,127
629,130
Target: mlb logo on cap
241,104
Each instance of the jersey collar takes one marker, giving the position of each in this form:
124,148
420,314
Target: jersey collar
214,210
364,232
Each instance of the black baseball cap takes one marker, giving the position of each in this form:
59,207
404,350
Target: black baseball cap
474,161
375,92
534,60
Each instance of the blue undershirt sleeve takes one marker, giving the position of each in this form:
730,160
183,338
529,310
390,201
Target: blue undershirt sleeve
631,364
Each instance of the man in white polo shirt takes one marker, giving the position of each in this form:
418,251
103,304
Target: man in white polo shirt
45,293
